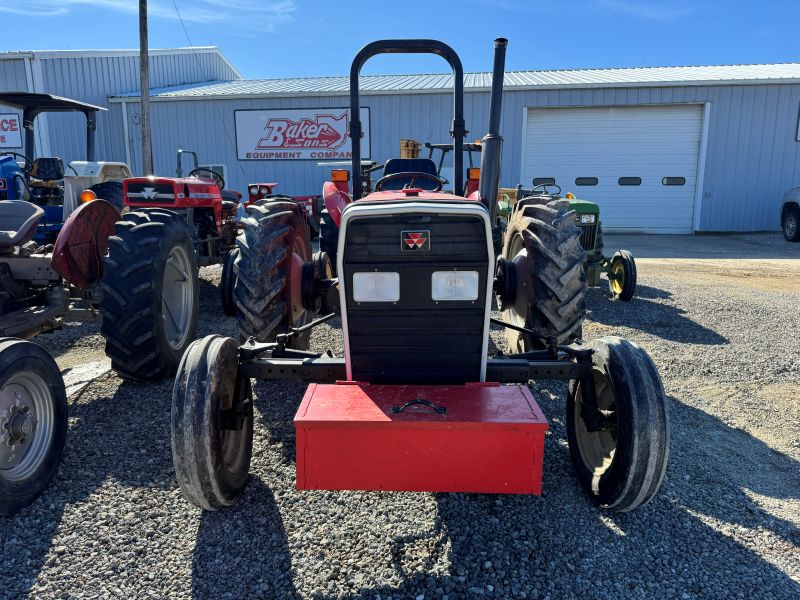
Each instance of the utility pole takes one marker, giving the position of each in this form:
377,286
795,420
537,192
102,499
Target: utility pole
144,72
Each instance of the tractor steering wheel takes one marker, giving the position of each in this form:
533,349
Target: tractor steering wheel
414,176
545,189
28,162
214,175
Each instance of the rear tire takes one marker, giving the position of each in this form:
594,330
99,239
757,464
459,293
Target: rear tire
150,294
274,242
212,462
790,224
228,282
33,422
544,243
621,468
622,276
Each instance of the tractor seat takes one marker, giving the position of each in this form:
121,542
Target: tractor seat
408,165
230,199
19,219
49,168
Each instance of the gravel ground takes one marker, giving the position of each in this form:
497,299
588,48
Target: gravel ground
726,523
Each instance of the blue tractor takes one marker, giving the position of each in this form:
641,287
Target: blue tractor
42,180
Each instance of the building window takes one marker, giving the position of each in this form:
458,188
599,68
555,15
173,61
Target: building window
630,181
544,181
586,181
673,181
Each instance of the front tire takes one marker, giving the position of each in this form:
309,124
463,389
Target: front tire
210,454
150,294
111,192
33,422
620,467
328,237
622,276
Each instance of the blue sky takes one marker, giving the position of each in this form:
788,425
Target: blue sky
285,38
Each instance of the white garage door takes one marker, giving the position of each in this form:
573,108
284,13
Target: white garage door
638,163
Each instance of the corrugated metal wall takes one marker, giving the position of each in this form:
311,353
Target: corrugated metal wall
94,78
12,74
752,155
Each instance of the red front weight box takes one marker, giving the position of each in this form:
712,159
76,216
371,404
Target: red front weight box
472,438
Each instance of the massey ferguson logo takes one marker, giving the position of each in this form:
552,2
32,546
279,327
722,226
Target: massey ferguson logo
415,240
149,193
325,131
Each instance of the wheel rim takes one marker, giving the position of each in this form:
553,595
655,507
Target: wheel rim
233,441
26,425
616,276
177,297
597,448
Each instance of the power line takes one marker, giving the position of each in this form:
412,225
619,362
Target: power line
216,108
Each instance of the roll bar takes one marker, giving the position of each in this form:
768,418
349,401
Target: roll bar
33,104
408,47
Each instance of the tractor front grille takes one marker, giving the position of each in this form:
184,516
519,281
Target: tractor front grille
588,235
416,340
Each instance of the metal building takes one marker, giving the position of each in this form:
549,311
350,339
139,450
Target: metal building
93,76
662,149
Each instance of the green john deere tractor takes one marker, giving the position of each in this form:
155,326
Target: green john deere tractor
620,268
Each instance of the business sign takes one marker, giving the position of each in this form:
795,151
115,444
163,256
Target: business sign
298,134
10,131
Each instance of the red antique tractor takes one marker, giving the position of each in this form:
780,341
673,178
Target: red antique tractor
415,403
150,284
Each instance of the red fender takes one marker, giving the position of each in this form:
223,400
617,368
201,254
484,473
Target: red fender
335,201
82,243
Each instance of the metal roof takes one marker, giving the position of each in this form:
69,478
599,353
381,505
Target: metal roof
583,78
111,53
46,102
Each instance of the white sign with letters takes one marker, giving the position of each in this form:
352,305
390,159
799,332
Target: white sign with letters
10,130
298,134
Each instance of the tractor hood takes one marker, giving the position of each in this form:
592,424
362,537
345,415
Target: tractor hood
415,194
584,207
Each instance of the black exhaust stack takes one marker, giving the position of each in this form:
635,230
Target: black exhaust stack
492,142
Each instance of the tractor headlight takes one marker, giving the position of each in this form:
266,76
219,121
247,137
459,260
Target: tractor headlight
253,189
264,190
454,285
376,287
587,219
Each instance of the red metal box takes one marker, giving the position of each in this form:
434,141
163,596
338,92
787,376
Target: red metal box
473,438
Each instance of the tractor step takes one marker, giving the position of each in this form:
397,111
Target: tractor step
474,438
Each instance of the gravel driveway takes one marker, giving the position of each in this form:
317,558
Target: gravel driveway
726,523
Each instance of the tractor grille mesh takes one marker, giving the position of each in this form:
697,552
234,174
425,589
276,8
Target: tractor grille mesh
416,340
588,233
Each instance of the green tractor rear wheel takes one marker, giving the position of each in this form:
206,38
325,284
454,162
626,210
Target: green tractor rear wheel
622,276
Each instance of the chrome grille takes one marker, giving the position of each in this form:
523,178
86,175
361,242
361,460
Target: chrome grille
588,234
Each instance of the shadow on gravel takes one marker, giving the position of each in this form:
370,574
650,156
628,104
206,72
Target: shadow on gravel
745,463
109,438
656,318
242,551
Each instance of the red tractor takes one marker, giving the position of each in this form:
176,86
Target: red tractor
415,403
174,225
